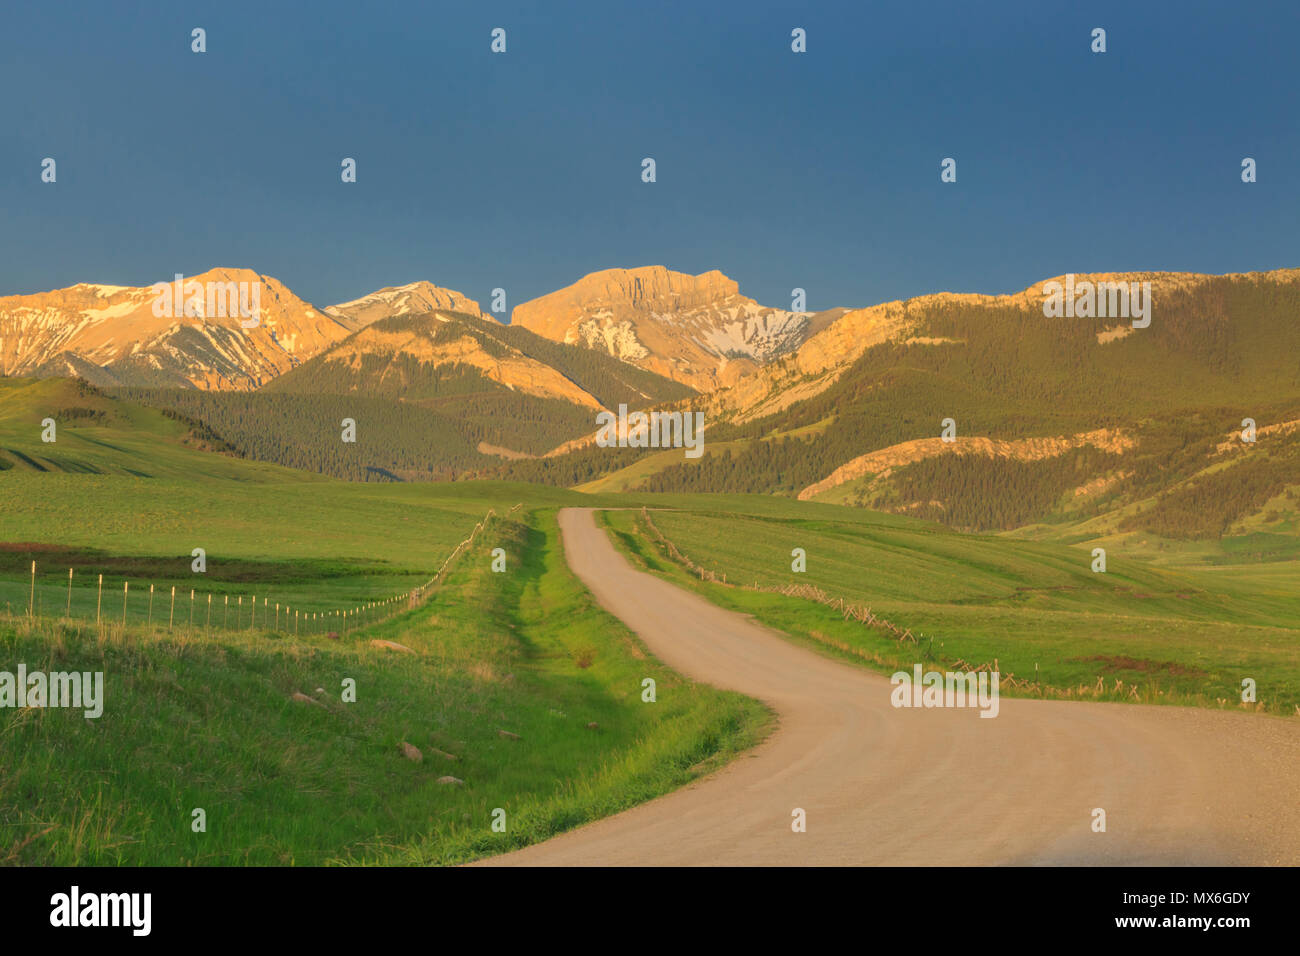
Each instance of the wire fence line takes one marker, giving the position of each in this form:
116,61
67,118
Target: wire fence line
849,611
192,609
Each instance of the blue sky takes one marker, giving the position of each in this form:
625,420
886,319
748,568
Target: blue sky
818,170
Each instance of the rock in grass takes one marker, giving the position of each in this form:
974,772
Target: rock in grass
391,646
454,781
508,735
412,752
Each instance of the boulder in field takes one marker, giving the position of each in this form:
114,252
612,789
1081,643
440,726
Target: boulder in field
412,752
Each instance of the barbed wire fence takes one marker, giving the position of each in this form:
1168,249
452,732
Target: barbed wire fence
1101,688
124,603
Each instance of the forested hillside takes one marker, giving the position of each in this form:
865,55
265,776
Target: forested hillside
1216,352
426,367
444,396
394,440
423,401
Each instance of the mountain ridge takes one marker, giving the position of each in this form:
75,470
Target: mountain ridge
849,412
117,330
412,298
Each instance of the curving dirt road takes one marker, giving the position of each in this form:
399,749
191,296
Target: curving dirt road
928,786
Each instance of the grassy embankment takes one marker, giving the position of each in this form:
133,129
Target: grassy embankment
193,721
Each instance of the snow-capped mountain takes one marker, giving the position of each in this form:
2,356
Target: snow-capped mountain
413,299
695,329
199,337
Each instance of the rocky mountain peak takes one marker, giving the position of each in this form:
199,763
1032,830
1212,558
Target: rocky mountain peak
652,288
410,299
158,335
695,329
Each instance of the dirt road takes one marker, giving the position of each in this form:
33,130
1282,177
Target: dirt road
915,786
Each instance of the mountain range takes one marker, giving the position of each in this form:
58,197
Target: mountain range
111,335
695,330
1047,422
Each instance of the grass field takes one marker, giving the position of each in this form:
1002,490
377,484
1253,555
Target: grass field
210,721
201,715
124,491
1172,635
327,546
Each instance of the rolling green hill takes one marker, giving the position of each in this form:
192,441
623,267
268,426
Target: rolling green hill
97,434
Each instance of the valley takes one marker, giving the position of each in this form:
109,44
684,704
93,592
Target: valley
373,466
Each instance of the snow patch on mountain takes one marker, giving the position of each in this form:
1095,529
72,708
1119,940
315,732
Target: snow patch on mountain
602,332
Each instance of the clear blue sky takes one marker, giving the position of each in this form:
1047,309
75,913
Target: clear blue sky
522,170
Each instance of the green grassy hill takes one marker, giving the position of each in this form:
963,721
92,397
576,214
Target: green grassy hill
97,434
